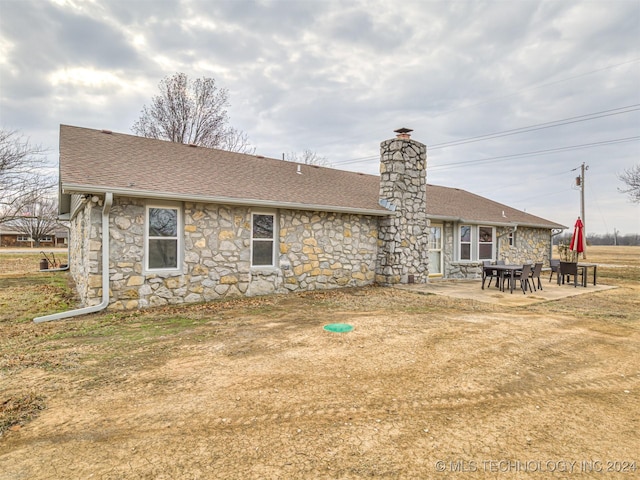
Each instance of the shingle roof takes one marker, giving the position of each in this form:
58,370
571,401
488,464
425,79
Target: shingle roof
92,161
463,206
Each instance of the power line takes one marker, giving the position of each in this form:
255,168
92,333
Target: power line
515,131
537,152
539,126
530,180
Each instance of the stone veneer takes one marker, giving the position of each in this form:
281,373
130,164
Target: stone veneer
404,236
317,250
531,245
85,249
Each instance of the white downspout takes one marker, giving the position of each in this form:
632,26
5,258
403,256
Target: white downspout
108,201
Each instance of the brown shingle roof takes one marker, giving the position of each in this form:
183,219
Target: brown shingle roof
92,161
453,203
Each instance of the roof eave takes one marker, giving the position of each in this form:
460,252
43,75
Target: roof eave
93,189
494,223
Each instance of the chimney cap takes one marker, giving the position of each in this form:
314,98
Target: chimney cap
403,132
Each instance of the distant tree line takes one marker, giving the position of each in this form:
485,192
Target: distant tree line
615,238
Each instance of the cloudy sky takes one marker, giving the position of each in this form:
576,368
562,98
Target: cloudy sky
556,80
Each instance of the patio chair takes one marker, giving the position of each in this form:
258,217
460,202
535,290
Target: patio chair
524,276
489,273
568,270
535,275
555,265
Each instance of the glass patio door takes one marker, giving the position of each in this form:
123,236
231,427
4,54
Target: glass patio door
435,250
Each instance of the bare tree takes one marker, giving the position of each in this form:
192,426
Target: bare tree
192,112
308,157
21,174
39,217
236,141
631,177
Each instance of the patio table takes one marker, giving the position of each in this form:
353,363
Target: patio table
507,269
585,267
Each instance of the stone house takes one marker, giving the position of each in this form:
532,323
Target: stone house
189,224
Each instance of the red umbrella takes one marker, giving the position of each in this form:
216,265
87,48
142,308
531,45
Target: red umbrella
577,240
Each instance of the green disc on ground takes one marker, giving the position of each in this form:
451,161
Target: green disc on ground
338,327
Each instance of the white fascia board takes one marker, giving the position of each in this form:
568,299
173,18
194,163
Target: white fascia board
492,223
127,192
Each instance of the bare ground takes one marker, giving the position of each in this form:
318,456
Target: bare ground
423,387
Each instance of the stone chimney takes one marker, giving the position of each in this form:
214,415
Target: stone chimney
403,237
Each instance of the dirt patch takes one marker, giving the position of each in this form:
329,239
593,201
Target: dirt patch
422,387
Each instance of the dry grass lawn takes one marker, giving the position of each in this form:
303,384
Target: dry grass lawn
423,387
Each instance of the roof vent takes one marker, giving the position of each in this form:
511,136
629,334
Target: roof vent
108,132
298,171
404,133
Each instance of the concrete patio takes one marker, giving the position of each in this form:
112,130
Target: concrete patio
472,290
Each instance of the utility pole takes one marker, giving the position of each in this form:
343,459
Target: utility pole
580,182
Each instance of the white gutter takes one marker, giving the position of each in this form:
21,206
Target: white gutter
108,201
492,223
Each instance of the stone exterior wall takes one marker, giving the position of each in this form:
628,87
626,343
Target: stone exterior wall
404,236
322,250
531,245
454,269
85,247
317,250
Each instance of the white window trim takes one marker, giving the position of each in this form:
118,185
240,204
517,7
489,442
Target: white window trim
459,242
180,237
276,247
441,249
475,242
493,242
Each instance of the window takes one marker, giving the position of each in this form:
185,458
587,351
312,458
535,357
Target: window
262,239
435,250
23,238
511,238
485,243
465,242
162,238
46,238
476,243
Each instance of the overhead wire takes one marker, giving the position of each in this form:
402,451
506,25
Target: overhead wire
516,131
540,126
536,152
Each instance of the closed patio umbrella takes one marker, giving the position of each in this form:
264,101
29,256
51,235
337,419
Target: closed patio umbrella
577,240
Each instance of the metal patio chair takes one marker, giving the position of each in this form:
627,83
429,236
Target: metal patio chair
555,265
568,270
535,276
488,272
524,276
